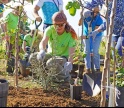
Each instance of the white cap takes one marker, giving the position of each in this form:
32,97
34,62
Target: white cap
87,13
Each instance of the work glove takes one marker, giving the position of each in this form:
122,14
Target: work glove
102,26
93,34
27,49
68,66
26,56
41,55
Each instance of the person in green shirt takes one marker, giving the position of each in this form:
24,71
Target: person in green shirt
61,40
27,41
10,30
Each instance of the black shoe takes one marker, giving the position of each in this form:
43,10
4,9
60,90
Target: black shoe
97,70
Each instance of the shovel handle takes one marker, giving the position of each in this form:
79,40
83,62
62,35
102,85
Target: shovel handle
91,54
37,25
91,45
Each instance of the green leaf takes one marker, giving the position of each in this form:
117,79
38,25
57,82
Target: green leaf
68,6
72,11
84,55
76,4
2,34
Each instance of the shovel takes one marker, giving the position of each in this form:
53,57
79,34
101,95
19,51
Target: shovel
23,64
92,81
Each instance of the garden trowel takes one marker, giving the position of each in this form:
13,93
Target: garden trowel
92,81
23,64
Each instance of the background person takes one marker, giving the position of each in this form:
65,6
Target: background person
10,27
48,8
27,43
93,26
118,30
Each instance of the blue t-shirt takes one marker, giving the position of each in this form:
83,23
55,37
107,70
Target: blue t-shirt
97,21
1,8
119,16
48,8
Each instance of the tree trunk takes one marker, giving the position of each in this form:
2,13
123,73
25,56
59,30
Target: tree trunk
17,47
107,56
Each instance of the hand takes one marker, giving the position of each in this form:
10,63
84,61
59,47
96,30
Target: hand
68,66
38,18
41,55
93,34
27,49
26,56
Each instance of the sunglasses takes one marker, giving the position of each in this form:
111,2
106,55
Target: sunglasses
59,25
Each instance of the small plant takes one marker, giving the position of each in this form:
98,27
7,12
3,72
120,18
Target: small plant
79,54
78,60
119,80
120,77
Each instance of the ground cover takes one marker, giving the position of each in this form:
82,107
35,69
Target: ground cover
31,94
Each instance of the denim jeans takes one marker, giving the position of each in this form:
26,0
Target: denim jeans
119,43
96,56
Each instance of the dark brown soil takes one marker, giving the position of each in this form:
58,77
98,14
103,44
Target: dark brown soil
37,97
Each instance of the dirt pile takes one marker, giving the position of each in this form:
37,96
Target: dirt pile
37,97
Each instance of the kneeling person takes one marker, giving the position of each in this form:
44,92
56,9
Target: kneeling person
60,38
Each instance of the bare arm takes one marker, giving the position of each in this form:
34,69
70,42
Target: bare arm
71,54
35,13
43,43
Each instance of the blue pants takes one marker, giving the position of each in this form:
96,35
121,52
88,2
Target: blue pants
119,43
96,56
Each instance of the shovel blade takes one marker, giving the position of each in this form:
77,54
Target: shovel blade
91,84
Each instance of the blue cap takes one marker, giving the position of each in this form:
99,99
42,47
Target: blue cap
90,4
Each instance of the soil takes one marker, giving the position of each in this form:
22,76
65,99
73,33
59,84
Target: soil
28,94
36,97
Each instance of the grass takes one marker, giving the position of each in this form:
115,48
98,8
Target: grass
23,82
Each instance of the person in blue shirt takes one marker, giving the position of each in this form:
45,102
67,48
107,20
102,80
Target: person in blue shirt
118,27
93,27
48,8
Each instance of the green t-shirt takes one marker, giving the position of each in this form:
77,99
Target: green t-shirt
28,38
59,43
12,21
